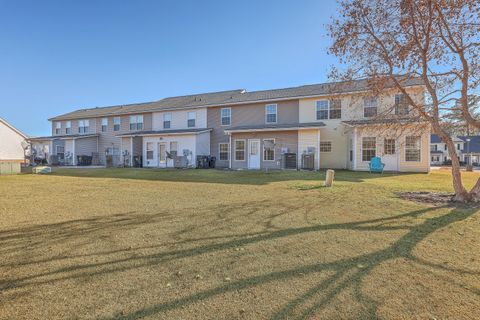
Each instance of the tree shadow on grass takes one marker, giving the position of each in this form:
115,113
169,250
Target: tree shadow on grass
346,273
245,177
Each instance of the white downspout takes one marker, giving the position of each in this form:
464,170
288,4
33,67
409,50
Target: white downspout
354,148
318,148
131,151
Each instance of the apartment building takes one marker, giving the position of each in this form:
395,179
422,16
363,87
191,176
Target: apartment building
332,125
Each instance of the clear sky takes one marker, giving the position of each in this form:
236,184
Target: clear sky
58,56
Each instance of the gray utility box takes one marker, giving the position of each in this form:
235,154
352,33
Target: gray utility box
308,161
9,168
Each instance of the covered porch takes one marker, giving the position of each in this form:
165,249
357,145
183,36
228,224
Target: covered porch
166,148
67,150
274,146
403,146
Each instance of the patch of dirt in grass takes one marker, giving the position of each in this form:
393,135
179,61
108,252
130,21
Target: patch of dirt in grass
433,198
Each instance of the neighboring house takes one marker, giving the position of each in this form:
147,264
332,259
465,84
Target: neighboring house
465,146
12,143
332,125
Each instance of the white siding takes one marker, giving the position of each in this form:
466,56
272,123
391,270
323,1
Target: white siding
10,143
185,142
179,119
306,139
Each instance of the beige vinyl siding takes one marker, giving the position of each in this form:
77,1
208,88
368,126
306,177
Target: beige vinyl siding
381,132
85,146
306,139
337,158
179,119
241,115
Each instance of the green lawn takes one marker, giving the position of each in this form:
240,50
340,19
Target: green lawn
207,244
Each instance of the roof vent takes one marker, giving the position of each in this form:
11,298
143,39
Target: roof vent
243,91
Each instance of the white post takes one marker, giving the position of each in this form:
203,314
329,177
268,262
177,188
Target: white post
74,160
318,150
131,151
354,149
230,151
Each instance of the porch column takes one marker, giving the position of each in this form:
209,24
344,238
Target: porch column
354,148
318,150
74,158
131,151
230,151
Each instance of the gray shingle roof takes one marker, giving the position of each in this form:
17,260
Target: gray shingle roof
166,132
473,145
67,136
230,97
383,121
275,126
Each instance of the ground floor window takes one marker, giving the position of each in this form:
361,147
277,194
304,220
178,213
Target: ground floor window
268,149
173,148
239,150
60,153
325,146
149,150
369,148
223,151
412,148
389,146
435,158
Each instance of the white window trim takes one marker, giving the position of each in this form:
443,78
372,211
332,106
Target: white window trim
263,149
376,99
230,117
194,118
266,112
331,146
361,148
405,151
228,153
244,149
328,109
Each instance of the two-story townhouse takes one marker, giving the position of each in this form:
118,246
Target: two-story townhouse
439,150
335,125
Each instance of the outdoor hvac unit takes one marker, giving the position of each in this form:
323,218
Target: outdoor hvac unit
308,161
290,161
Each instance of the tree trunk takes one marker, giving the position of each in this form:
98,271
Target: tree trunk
461,194
475,192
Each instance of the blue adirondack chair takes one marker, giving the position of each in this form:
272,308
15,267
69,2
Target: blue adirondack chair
376,165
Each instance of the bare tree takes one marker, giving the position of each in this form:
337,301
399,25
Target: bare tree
437,41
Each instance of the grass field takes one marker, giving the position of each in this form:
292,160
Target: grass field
193,244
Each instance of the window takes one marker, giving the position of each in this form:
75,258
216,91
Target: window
322,109
68,127
191,116
369,107
167,120
116,124
149,150
433,147
369,148
445,147
336,109
226,115
271,113
104,124
83,126
458,146
136,122
240,150
389,146
325,146
412,148
58,128
60,152
223,151
173,148
268,149
401,105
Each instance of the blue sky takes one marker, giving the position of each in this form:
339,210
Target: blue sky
58,56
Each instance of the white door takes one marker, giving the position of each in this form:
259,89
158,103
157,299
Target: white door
390,154
253,154
162,155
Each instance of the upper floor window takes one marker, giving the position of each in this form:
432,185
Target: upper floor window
116,124
191,117
369,107
458,146
83,126
412,148
167,120
401,105
322,109
58,128
433,147
271,113
226,114
445,147
68,127
136,122
326,109
104,124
